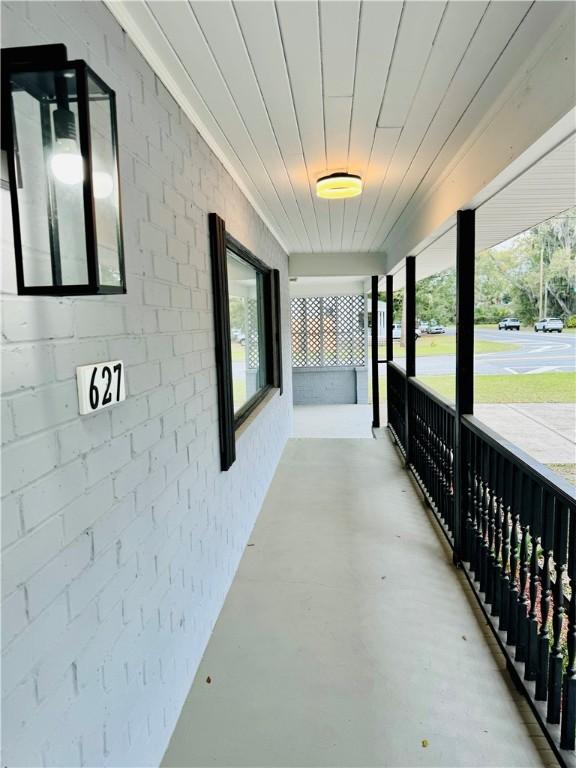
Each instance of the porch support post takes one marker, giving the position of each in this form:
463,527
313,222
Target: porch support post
374,339
410,315
389,318
465,267
410,299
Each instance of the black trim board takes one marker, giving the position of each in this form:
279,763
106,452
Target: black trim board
220,243
217,231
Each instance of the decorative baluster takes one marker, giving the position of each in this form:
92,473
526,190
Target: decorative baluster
523,601
545,597
441,474
555,666
567,738
515,503
484,521
479,509
477,506
536,500
497,501
491,477
468,495
450,479
446,477
508,479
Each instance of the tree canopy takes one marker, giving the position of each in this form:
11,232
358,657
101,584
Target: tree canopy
529,276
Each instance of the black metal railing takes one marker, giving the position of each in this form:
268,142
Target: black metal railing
517,545
431,437
396,396
520,542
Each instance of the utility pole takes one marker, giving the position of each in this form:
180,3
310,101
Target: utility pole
541,301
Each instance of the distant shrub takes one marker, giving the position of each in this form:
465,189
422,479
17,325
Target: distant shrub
571,321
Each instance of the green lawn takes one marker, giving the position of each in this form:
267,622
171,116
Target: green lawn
446,345
513,388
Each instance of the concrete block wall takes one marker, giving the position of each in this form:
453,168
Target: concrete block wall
330,385
120,535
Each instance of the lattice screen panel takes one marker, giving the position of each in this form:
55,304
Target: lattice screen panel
252,333
328,331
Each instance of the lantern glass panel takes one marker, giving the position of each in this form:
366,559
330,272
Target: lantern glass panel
49,178
105,184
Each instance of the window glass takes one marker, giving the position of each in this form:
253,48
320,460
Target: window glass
246,302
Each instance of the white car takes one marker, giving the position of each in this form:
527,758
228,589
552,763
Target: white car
549,324
397,331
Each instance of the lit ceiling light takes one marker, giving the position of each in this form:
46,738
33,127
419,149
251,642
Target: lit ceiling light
338,186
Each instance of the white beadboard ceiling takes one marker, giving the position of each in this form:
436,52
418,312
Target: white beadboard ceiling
287,91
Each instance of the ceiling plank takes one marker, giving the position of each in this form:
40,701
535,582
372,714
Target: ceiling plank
259,25
377,34
418,27
457,28
491,100
339,34
413,46
179,24
220,27
383,149
300,31
493,34
148,37
337,111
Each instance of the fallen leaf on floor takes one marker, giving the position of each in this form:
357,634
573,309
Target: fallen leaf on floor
424,743
464,637
208,679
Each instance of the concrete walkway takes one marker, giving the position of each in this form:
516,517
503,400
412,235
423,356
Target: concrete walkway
348,638
547,431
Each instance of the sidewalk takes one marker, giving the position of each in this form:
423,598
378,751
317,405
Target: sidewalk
547,431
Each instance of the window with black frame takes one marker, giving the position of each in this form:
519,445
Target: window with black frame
246,302
247,332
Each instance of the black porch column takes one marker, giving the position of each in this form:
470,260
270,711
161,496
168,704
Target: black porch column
410,299
389,317
465,267
374,339
410,330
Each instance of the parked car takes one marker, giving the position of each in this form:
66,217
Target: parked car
549,324
424,326
397,331
509,324
436,328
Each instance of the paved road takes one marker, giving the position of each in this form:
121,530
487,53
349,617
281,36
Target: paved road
536,353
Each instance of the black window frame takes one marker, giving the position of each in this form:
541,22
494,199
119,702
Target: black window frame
229,421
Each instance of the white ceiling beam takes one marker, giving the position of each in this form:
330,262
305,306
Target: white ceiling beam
340,264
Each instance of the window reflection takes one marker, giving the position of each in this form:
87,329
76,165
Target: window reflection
246,306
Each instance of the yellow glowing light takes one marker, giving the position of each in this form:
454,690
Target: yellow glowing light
338,186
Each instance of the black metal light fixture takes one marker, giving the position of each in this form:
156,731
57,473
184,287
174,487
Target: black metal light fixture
59,134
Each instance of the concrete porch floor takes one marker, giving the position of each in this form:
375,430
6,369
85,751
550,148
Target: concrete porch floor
321,421
348,638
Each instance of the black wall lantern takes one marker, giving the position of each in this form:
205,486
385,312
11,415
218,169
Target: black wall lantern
59,133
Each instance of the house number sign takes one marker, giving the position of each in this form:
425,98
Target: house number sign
100,385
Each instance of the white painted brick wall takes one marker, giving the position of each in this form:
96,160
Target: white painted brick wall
120,536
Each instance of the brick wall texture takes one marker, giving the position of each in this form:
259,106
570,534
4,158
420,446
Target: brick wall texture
120,535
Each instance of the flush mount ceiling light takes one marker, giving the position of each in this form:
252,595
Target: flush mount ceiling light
338,186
